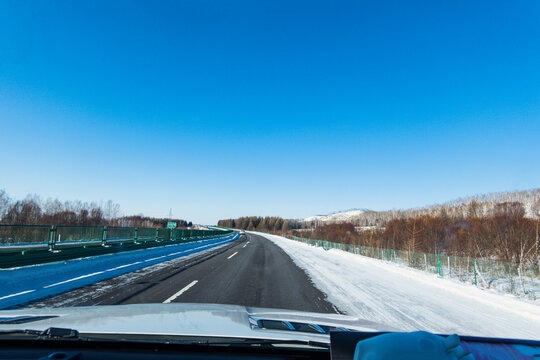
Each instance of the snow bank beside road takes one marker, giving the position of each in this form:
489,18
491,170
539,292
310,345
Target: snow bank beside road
409,299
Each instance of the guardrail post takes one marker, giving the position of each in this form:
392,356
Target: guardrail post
52,237
104,236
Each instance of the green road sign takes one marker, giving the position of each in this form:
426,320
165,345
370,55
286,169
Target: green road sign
171,225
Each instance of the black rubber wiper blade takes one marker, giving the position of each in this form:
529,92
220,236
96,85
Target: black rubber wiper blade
21,332
50,333
263,342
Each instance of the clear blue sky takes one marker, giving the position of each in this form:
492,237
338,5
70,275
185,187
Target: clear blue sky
220,109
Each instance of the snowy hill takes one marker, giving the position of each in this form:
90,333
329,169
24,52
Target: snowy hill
339,216
481,205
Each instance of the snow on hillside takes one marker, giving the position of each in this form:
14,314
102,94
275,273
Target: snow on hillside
484,204
337,216
407,299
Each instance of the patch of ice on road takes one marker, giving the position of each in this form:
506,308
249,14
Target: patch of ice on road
409,299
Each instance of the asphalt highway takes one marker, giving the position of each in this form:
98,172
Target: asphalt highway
251,271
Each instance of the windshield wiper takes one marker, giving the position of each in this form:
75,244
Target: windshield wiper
263,342
71,334
50,333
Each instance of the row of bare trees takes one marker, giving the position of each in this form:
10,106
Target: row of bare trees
268,224
478,206
32,210
144,221
504,235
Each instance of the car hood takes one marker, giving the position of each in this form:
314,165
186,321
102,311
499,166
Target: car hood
183,319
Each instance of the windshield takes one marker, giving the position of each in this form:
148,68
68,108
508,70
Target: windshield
270,169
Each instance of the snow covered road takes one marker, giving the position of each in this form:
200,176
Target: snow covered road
409,299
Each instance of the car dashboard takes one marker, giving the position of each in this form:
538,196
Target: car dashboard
342,347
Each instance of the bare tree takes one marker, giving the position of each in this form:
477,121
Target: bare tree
111,210
5,203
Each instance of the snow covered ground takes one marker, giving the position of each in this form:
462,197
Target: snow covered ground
339,216
409,299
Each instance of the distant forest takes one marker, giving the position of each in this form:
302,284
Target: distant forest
504,232
34,211
505,235
257,223
478,205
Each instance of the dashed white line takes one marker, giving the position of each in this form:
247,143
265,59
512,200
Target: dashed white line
119,267
232,255
200,247
17,294
123,266
176,253
156,258
76,278
181,291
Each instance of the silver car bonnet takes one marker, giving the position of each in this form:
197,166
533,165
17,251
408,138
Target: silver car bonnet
183,319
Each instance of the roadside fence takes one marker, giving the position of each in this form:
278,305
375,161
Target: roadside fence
22,245
507,277
51,235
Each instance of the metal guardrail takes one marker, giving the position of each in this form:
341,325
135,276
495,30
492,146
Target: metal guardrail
52,236
32,244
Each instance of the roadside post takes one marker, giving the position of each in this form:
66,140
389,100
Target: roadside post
52,233
171,225
474,270
104,236
439,265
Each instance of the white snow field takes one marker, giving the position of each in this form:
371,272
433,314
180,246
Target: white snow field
408,299
339,216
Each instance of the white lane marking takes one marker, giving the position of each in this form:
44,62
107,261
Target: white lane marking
181,291
17,294
123,266
115,268
156,258
200,247
77,278
232,255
